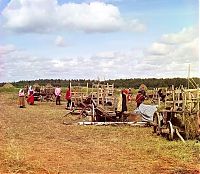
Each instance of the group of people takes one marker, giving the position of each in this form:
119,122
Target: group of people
68,96
126,96
30,97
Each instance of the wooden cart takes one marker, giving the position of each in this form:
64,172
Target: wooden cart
180,116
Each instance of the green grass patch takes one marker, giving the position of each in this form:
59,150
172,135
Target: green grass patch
9,90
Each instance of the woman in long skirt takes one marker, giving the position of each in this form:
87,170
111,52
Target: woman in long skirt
21,98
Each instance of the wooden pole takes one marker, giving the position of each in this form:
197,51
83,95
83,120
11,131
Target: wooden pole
103,95
189,76
179,135
98,94
173,97
178,96
198,105
92,90
87,88
190,102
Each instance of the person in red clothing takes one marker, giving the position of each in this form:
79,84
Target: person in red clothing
68,98
30,99
139,98
129,96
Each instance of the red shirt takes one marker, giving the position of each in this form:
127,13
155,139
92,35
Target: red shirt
68,94
139,98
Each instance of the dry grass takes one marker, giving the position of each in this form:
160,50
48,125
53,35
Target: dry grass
34,140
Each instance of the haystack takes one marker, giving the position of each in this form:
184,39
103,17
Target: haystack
191,126
36,87
143,86
48,85
49,89
8,85
190,123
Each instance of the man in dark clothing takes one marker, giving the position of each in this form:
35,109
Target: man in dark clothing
124,106
161,95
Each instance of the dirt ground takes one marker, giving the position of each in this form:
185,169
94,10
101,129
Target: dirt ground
35,140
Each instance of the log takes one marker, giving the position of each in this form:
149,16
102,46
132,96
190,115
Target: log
113,123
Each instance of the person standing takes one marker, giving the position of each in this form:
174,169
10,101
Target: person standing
161,95
124,97
58,94
21,98
129,95
68,98
139,98
30,99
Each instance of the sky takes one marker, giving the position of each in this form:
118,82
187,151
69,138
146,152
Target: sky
98,39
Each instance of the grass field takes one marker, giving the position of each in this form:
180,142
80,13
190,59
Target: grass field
35,140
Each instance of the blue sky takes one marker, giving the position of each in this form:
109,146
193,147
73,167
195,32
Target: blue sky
106,39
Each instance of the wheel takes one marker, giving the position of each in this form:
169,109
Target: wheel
157,124
85,111
171,131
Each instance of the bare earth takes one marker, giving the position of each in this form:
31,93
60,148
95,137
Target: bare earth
35,140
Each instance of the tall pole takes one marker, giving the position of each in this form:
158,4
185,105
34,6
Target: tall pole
188,77
87,88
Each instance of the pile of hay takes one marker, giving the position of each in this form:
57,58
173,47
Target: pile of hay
36,87
190,124
48,85
8,85
143,86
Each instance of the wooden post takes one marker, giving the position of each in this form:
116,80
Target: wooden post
92,90
190,102
173,97
166,97
98,94
189,76
87,88
158,101
70,85
103,95
178,96
198,105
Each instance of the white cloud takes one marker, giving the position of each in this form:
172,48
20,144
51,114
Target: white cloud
60,41
20,65
159,49
185,35
174,52
133,25
170,60
6,49
47,15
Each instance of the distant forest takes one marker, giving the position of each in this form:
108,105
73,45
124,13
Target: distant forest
123,83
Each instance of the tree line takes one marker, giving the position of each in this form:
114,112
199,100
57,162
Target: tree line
119,83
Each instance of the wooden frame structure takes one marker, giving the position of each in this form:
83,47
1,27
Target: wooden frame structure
181,102
103,95
99,103
78,95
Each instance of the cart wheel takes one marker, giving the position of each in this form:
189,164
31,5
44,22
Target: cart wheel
85,111
171,131
157,124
